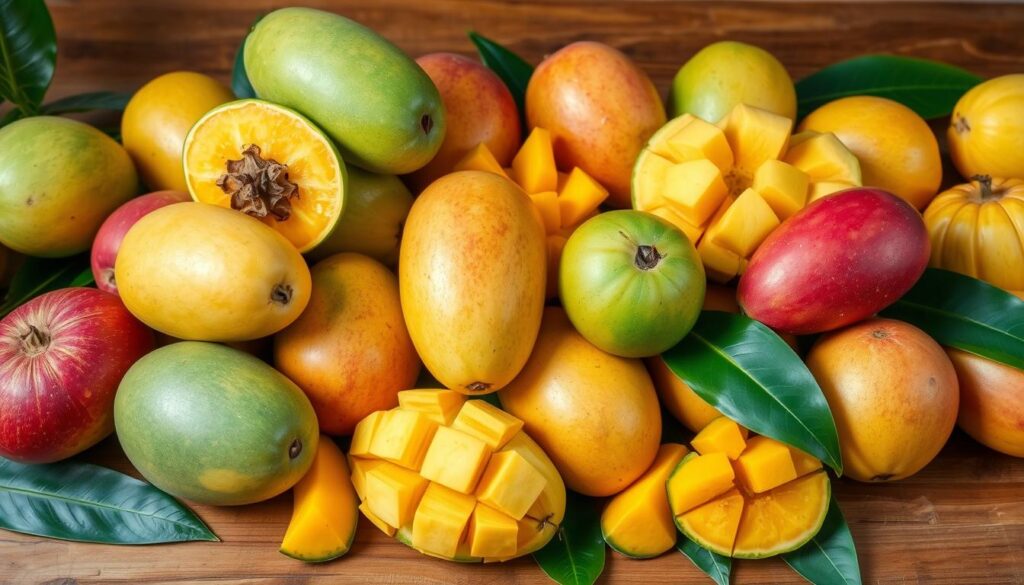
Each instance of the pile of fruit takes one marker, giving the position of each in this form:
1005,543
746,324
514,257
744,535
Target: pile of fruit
263,312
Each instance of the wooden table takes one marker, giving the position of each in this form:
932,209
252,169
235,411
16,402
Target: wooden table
961,520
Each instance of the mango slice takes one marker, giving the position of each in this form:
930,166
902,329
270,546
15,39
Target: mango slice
440,406
700,140
550,212
441,519
364,432
580,196
382,525
480,158
706,476
534,165
823,158
721,435
764,465
714,525
492,533
359,467
784,518
455,460
745,224
695,189
488,423
510,484
783,186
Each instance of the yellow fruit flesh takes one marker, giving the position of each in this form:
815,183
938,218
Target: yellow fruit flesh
455,460
716,522
780,519
491,533
534,165
511,484
441,519
579,196
550,213
722,435
706,476
402,437
488,423
441,406
480,159
393,493
764,465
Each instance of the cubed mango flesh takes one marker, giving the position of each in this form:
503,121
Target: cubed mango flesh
455,460
721,265
823,189
546,204
510,484
697,479
441,520
765,464
394,493
745,224
714,525
755,136
375,520
824,158
783,187
402,437
803,462
487,423
722,435
362,436
693,232
440,406
695,189
534,165
480,158
359,468
492,533
580,196
701,140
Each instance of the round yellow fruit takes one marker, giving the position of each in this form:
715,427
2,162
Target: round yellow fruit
986,130
157,119
895,146
201,272
596,415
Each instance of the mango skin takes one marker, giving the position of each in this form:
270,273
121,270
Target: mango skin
991,402
330,69
596,415
472,271
839,260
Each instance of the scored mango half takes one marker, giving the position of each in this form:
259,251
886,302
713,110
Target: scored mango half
747,497
728,185
455,478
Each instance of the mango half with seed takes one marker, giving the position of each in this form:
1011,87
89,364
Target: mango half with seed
456,479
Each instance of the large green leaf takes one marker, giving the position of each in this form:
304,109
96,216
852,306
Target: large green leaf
714,565
511,68
240,84
79,501
929,88
87,102
747,372
575,556
830,557
40,275
28,53
965,313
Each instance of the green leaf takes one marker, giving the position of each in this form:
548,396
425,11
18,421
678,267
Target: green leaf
713,564
83,502
965,313
28,53
830,557
87,102
747,372
41,275
929,88
511,68
239,78
575,556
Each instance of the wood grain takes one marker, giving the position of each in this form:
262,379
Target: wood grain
961,520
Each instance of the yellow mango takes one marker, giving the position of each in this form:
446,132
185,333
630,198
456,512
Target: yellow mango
441,406
722,435
695,189
697,479
402,437
511,484
492,533
745,224
455,459
783,187
547,206
580,196
487,423
480,158
765,464
393,493
534,165
441,519
714,525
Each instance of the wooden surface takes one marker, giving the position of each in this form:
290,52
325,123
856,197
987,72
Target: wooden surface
961,520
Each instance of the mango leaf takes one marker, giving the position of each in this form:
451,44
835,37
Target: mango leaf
87,102
77,501
239,78
929,88
747,372
965,313
713,564
511,68
575,556
41,275
28,53
830,557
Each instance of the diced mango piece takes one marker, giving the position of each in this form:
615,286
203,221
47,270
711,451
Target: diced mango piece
658,143
441,520
360,467
510,484
402,437
823,189
701,140
721,435
803,462
546,204
480,158
375,520
755,136
650,181
555,243
362,436
455,459
695,189
491,533
693,232
698,479
783,186
715,524
765,464
745,224
824,158
721,265
580,196
393,493
534,164
487,423
440,406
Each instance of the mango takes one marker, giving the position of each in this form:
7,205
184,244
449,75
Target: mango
394,129
991,402
722,435
472,276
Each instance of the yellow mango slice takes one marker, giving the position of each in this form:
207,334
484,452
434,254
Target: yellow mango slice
359,468
441,520
803,463
755,136
580,196
745,224
510,484
658,144
649,181
480,158
382,525
715,524
697,479
440,406
693,232
534,165
491,533
721,265
784,518
695,189
547,207
402,437
721,435
766,464
700,140
362,436
455,459
783,187
393,493
487,423
824,158
825,188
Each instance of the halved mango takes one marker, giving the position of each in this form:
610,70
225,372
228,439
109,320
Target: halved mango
714,525
441,406
722,435
534,165
492,533
783,519
382,525
480,158
269,162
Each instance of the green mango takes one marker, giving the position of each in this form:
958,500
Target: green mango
383,111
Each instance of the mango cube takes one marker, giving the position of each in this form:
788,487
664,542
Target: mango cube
491,533
766,464
547,206
441,520
650,181
534,165
721,265
360,467
699,479
580,195
402,437
510,484
695,189
455,459
362,436
701,140
824,158
480,158
440,406
693,232
721,435
755,136
487,423
375,520
783,187
745,224
803,462
823,189
393,493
